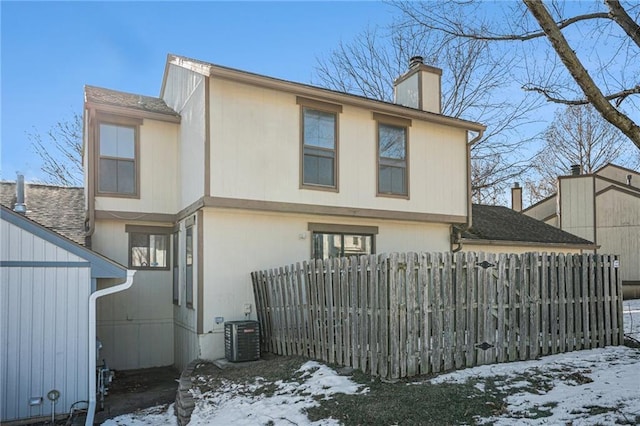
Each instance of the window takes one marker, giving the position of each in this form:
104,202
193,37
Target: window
117,167
341,240
176,269
189,266
148,247
392,156
319,162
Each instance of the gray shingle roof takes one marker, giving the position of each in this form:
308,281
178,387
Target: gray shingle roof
59,208
99,95
504,224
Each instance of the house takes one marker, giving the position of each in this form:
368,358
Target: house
603,207
227,172
499,229
48,287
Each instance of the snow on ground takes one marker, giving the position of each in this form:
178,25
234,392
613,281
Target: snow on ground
598,386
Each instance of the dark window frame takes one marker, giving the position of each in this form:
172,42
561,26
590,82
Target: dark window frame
393,122
312,151
118,121
342,231
147,232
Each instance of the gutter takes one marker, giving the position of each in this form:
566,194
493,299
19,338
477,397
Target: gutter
92,341
456,232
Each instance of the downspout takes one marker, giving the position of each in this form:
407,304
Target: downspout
456,232
92,341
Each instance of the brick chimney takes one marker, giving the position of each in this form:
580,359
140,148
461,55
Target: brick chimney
419,87
516,197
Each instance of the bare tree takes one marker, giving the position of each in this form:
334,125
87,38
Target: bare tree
474,87
580,136
572,53
60,150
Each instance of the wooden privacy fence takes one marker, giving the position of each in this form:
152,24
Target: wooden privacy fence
407,314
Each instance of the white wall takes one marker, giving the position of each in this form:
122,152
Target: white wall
577,206
158,172
237,243
255,154
43,325
184,92
135,325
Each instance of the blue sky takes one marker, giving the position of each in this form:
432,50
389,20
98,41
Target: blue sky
50,50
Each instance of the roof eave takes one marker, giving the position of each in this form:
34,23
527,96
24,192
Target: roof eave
132,112
231,74
511,243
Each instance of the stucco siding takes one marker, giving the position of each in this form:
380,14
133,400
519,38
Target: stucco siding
158,172
43,338
135,325
239,242
255,154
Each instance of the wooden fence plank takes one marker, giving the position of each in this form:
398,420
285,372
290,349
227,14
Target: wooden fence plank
472,309
553,303
365,319
544,304
293,309
412,313
606,260
330,320
337,311
562,304
355,314
436,315
460,296
513,272
534,324
448,338
425,317
501,285
303,307
593,305
619,309
374,338
525,306
383,362
401,287
569,286
394,332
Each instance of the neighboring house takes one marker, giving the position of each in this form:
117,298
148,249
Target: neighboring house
229,172
59,208
47,329
498,229
603,207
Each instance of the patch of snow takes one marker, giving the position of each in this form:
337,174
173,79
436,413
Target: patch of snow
598,386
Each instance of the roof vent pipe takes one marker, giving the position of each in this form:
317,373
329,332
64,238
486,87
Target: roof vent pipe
575,170
415,61
20,206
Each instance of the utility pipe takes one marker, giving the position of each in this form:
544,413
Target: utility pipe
92,341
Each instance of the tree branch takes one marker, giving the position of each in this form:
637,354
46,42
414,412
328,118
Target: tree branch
619,97
580,74
622,18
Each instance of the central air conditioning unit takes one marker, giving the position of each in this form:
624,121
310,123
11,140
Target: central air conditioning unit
242,341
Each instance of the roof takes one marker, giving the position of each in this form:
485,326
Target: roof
213,70
102,96
58,208
499,223
101,267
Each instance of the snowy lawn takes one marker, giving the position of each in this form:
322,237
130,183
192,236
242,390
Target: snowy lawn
599,386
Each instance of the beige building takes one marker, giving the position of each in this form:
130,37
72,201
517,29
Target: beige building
603,207
228,172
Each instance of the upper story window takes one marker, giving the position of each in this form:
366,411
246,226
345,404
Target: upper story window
393,164
319,135
118,159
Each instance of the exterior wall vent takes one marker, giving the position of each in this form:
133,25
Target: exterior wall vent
242,341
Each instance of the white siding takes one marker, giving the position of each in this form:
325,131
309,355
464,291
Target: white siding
255,154
577,206
238,242
43,338
18,244
184,93
135,325
544,210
